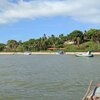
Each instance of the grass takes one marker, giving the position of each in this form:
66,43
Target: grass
83,47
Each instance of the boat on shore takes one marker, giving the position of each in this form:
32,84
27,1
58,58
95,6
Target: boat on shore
88,54
60,52
27,53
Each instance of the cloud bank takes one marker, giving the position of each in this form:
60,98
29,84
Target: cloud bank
86,11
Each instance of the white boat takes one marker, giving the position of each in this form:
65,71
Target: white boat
27,53
60,52
88,54
93,92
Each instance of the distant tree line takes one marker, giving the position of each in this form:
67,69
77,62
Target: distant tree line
81,41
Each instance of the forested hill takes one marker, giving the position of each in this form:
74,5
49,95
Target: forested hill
74,41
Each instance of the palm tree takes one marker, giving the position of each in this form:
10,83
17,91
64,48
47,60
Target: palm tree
96,37
89,34
76,36
12,45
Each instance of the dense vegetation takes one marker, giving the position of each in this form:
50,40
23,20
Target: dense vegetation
74,41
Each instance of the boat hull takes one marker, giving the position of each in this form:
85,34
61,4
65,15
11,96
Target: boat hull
27,53
84,55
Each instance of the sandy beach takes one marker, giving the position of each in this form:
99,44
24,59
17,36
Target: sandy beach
69,53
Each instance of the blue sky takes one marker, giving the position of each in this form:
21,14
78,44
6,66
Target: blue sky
26,19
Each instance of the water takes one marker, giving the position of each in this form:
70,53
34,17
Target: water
46,77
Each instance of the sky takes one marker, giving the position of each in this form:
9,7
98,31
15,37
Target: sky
27,19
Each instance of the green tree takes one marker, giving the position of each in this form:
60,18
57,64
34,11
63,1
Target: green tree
2,46
62,37
25,46
89,34
76,36
11,45
20,48
96,38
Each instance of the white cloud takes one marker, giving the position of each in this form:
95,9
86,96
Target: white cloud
80,10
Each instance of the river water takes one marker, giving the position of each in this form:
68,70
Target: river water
46,77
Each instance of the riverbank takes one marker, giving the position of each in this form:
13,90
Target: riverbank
69,53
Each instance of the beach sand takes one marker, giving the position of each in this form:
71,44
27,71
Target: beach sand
70,53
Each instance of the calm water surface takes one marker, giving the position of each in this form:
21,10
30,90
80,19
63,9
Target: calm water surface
46,77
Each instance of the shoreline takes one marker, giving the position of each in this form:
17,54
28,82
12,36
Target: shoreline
67,53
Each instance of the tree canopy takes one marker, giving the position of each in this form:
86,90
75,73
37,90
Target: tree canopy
43,43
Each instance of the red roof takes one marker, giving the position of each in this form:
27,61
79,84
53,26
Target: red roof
52,48
56,48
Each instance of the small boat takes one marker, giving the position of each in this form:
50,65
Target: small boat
27,53
60,52
93,92
88,54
